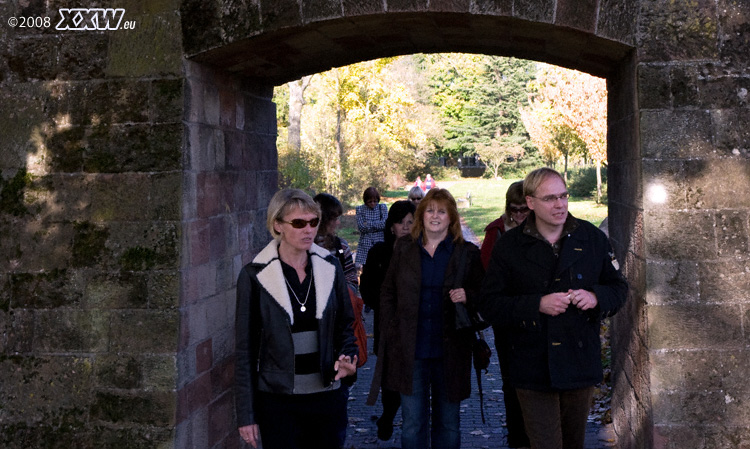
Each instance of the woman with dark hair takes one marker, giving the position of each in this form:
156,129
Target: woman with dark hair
293,331
370,222
421,354
516,212
399,223
331,211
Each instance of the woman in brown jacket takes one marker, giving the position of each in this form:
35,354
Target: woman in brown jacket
422,355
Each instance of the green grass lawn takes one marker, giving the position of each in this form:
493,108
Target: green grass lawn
487,204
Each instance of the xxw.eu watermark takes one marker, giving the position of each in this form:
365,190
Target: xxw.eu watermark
78,19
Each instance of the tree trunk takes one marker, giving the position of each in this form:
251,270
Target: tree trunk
296,101
598,181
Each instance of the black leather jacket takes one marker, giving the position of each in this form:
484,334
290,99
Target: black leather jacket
263,337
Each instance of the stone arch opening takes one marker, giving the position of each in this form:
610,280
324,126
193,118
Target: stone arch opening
232,65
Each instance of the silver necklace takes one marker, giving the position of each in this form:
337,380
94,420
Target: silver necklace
302,307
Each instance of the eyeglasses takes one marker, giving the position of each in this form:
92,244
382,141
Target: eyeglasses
518,210
299,223
552,198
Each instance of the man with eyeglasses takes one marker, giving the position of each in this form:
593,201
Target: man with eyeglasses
549,283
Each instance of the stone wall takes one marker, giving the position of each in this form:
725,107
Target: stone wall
135,166
90,229
229,177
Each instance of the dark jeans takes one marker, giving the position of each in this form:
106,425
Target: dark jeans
302,421
429,384
556,420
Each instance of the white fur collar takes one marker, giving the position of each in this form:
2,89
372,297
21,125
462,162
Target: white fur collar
271,277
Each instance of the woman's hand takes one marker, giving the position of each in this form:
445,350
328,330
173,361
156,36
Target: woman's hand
458,295
345,366
250,434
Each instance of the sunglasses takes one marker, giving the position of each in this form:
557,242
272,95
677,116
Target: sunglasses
515,210
299,223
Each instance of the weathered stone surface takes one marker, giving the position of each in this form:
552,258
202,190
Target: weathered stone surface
157,38
725,281
320,10
680,235
137,331
71,331
576,14
688,136
498,7
617,20
358,7
46,290
734,32
670,31
672,282
154,408
654,87
536,10
731,136
280,14
691,326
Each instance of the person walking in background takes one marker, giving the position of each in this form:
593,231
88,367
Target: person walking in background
549,283
293,331
371,218
421,354
429,183
516,212
331,210
399,224
415,195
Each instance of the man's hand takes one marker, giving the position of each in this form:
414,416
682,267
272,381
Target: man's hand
583,299
555,303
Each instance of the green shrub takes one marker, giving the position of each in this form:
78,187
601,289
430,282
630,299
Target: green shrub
582,182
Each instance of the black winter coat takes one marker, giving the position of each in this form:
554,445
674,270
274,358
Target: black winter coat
263,335
544,352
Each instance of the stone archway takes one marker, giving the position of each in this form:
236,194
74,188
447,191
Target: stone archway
231,74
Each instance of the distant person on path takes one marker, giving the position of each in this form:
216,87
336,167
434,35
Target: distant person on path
371,218
399,224
419,183
415,195
549,283
293,331
421,354
516,212
429,183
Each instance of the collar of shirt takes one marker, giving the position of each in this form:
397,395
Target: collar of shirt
570,225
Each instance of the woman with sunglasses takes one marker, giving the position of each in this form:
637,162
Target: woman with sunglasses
516,212
293,333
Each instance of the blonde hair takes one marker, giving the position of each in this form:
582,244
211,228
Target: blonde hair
285,201
441,197
534,179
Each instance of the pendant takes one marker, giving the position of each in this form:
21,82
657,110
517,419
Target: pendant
302,309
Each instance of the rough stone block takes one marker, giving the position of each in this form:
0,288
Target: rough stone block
152,408
732,233
120,197
676,134
679,235
730,134
684,86
734,29
163,290
577,14
715,371
725,281
315,10
117,290
153,47
672,282
71,331
654,88
667,371
83,56
450,5
362,7
617,20
166,100
160,372
535,10
35,59
44,290
144,331
204,358
165,196
201,25
136,437
712,179
678,436
691,326
119,371
20,331
218,424
671,31
143,246
280,14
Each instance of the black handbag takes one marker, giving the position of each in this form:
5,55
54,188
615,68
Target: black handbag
481,353
466,318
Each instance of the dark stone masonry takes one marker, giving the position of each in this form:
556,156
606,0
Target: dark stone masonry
136,163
